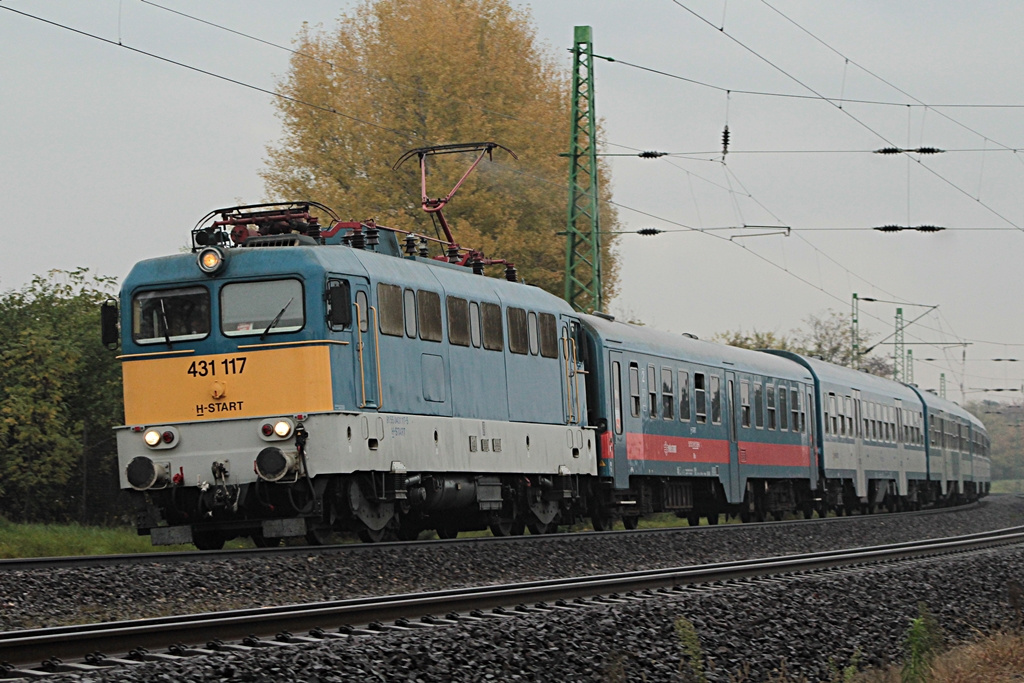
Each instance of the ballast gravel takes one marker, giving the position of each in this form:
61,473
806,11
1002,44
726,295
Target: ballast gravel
811,626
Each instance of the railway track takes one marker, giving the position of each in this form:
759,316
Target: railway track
273,627
18,564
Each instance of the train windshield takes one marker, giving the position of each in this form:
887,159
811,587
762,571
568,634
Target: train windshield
170,315
268,307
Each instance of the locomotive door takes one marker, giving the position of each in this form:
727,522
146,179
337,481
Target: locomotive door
572,406
731,412
367,352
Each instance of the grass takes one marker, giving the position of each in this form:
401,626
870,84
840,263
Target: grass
58,540
1008,486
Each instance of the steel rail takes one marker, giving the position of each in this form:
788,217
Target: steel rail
164,557
71,642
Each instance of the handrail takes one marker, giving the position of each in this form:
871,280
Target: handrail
376,354
575,380
359,351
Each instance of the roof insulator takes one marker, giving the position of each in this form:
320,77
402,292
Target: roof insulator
649,231
929,150
928,228
651,154
888,150
889,228
725,140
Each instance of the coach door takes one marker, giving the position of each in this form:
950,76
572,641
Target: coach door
572,406
366,372
622,419
731,412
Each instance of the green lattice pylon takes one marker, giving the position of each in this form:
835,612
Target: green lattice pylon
583,230
899,357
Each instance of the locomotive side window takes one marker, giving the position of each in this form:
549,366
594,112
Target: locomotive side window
518,337
268,307
531,326
339,304
716,400
548,336
771,406
389,300
652,391
474,323
700,397
458,321
744,403
668,396
430,315
409,303
684,396
494,338
364,311
758,405
634,390
171,314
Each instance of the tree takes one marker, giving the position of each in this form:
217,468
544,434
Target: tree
829,337
60,395
1005,426
423,72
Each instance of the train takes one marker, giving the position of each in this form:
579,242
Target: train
289,378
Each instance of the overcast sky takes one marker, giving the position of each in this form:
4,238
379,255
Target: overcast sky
110,156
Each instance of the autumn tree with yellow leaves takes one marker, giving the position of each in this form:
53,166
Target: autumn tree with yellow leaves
404,74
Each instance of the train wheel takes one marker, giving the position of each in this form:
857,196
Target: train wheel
631,522
503,526
446,531
207,540
538,528
823,511
777,515
261,541
376,535
318,533
712,518
693,519
602,522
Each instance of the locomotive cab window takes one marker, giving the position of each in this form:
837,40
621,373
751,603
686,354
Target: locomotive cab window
171,315
458,321
518,337
339,304
494,338
548,335
389,300
267,307
430,315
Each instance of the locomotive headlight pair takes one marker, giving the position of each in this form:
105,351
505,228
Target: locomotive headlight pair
162,437
211,260
277,429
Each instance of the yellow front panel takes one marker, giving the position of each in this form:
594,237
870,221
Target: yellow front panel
241,384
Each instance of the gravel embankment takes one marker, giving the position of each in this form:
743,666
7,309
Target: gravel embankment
61,596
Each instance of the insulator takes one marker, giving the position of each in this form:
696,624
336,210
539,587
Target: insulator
928,228
410,245
453,254
478,266
649,231
358,238
651,154
888,150
929,150
372,239
510,273
424,251
889,228
725,140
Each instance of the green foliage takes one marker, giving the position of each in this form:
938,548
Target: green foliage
1005,426
692,665
923,642
428,72
60,394
829,336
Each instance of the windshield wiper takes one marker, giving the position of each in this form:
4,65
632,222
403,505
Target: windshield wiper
163,319
277,318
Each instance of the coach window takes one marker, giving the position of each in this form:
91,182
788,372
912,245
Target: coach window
174,315
430,315
794,405
268,307
783,410
684,396
634,390
668,395
458,321
758,405
548,335
389,299
803,412
652,391
744,403
474,323
716,400
770,388
494,338
849,414
617,396
831,418
700,397
518,338
531,326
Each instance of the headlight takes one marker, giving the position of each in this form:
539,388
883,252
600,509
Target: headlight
283,429
276,429
160,438
153,437
211,260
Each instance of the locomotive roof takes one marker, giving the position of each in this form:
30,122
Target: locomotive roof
614,334
848,377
